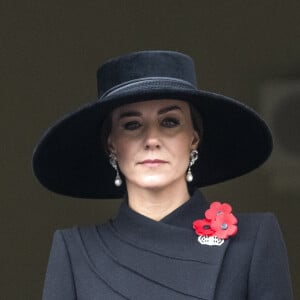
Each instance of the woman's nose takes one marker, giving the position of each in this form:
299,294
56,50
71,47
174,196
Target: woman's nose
152,138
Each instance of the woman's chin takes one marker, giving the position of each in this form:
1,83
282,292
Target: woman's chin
153,182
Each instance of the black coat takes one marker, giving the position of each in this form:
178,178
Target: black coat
133,257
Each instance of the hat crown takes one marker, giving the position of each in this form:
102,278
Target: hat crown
145,64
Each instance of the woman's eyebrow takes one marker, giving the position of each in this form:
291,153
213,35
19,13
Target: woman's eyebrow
133,113
168,108
130,113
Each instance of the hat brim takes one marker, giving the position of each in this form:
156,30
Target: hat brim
70,160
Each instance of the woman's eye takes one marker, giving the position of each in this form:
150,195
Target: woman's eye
170,122
132,125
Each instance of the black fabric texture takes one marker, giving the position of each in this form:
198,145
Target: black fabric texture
134,257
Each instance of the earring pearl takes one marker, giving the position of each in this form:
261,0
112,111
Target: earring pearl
118,181
189,176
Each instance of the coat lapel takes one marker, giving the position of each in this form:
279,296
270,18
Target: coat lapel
162,257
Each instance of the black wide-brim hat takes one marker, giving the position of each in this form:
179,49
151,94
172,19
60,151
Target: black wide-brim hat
70,159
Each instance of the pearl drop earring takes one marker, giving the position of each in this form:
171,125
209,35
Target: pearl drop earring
113,162
193,158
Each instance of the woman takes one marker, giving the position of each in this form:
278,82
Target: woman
154,138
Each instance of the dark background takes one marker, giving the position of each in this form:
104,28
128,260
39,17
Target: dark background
50,51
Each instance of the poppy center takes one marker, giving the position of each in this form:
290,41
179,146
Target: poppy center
224,226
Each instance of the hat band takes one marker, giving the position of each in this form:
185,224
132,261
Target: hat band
149,81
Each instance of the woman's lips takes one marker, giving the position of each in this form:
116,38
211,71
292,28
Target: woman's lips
152,162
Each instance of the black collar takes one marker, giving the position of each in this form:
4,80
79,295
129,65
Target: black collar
133,251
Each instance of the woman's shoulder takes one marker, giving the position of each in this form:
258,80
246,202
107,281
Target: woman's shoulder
78,234
258,227
256,220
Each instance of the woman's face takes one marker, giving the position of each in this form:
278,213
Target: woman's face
152,141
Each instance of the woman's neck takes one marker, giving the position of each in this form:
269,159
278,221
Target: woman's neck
157,203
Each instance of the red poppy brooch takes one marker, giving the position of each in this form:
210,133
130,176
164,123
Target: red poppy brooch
219,224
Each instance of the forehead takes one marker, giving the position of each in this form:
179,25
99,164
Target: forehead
151,106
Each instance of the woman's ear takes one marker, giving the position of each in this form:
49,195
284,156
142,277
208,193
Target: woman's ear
110,145
195,140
